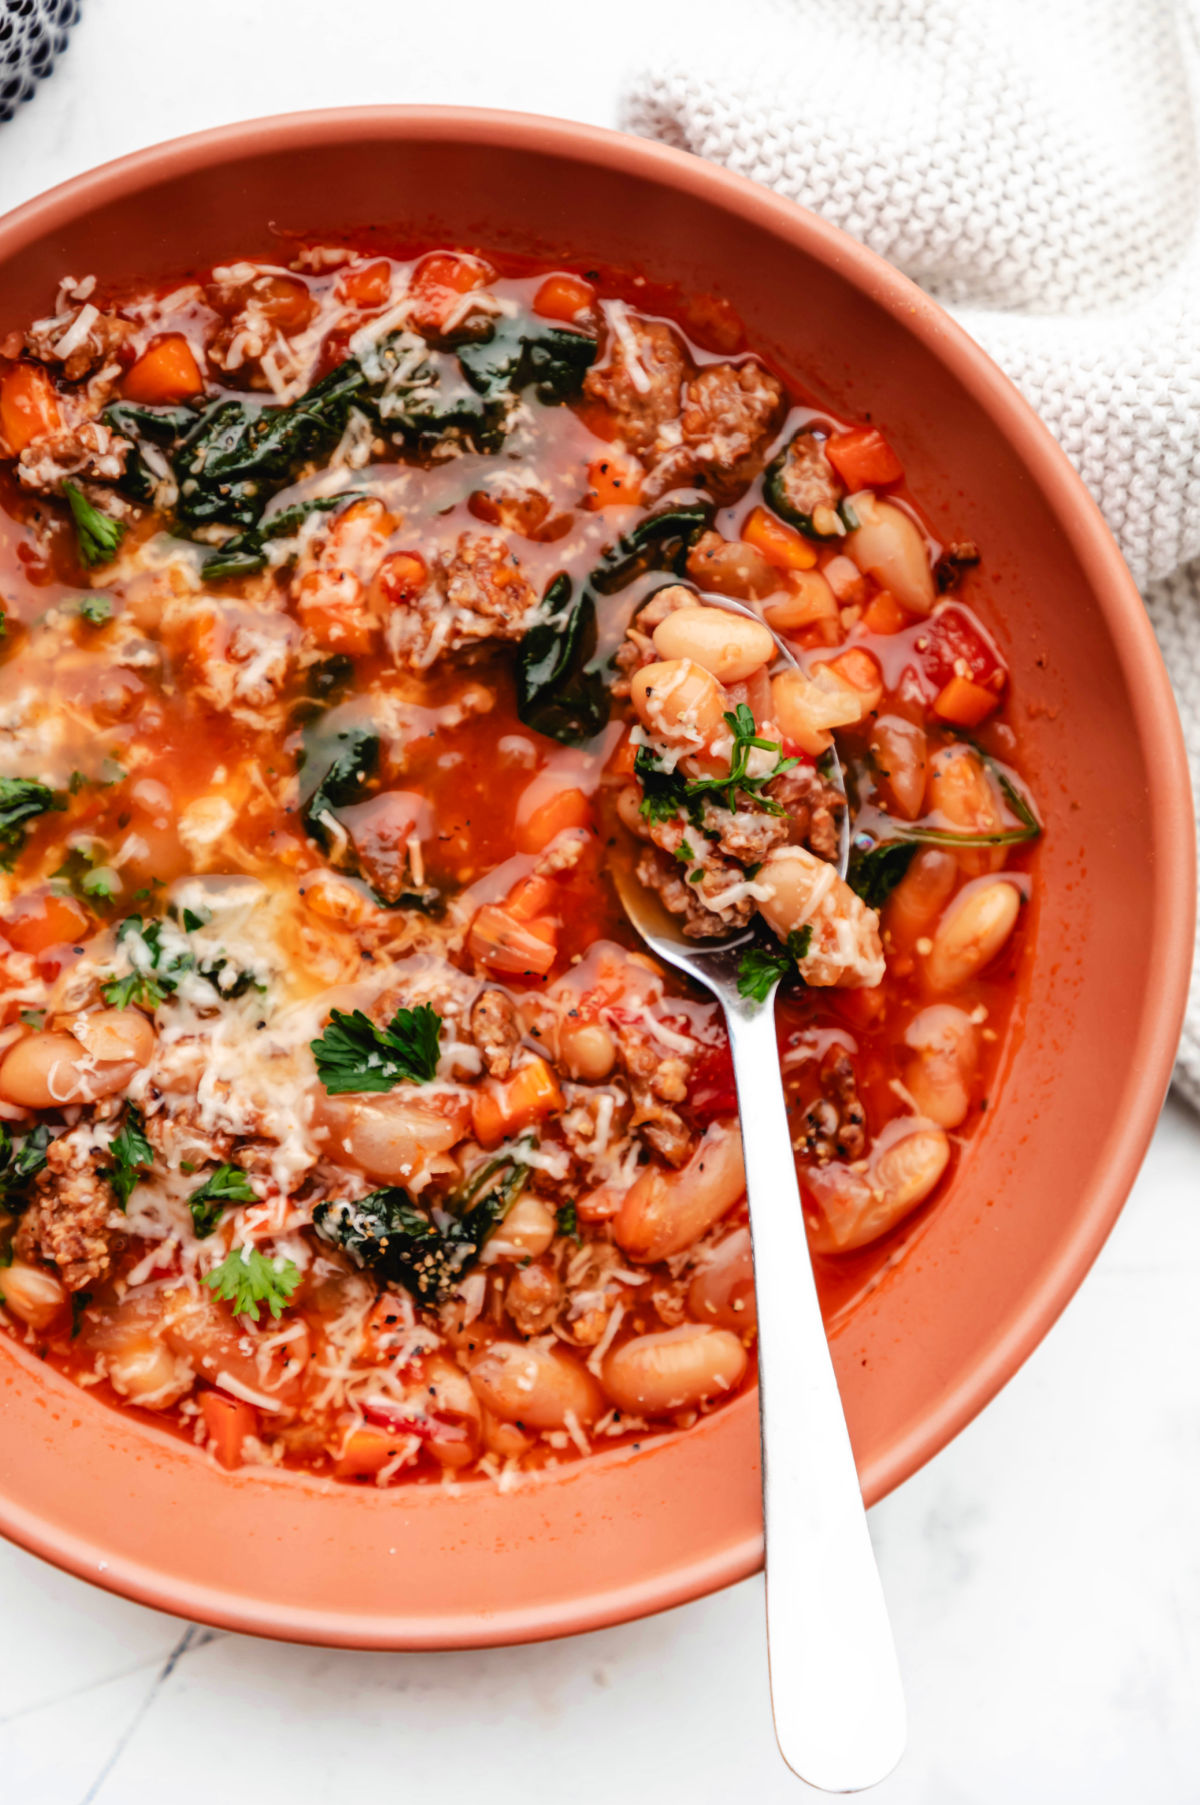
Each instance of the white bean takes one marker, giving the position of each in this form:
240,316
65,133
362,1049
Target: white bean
115,1034
32,1294
729,646
961,789
898,750
680,702
941,1071
858,1207
675,1369
969,935
809,599
722,1292
587,1049
525,1232
147,1373
888,546
534,1387
806,707
664,1212
50,1068
385,1137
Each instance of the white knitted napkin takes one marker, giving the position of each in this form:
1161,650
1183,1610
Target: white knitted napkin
1035,165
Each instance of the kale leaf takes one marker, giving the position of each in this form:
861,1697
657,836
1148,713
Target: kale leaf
558,693
20,1164
337,767
661,541
425,1251
875,870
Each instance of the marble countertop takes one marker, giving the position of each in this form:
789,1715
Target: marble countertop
1043,1571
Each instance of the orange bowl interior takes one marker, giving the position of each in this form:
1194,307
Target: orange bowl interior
1105,968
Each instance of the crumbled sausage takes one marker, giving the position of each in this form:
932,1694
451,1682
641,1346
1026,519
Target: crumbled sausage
954,561
481,592
495,1030
692,902
814,807
684,424
807,480
73,1222
533,1297
80,340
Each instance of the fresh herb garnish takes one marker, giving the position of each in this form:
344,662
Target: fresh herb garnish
354,1054
247,1278
99,535
762,967
228,1184
666,793
96,609
426,1253
132,1154
21,800
566,1220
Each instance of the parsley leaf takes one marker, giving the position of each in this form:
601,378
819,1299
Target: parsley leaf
354,1054
664,793
96,609
156,970
762,967
228,1184
131,1153
247,1278
21,799
99,535
875,871
566,1220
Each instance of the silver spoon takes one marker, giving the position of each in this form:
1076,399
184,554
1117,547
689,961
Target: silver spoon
836,1695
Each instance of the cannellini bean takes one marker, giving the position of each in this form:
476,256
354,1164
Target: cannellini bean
961,789
730,646
629,808
587,1049
722,1292
809,599
921,895
525,1232
858,1207
888,545
504,1439
32,1294
448,1394
387,1137
664,1212
969,935
146,1372
941,1071
807,706
535,1387
674,1369
680,702
898,750
115,1034
48,1069
806,892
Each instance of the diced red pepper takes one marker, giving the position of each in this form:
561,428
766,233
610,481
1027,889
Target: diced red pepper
953,644
863,458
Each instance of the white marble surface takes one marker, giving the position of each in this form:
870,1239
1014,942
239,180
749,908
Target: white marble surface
1043,1572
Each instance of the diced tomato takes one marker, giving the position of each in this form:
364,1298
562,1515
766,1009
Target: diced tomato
366,1451
228,1421
28,406
780,545
439,283
365,284
963,703
863,458
45,919
563,297
712,1091
953,644
166,371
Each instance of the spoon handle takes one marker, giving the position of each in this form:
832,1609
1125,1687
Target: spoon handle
835,1681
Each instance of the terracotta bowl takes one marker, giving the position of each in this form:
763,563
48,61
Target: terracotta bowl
1106,966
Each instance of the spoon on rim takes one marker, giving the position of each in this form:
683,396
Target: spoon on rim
836,1693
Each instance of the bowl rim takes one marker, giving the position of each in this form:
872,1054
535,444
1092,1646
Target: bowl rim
1152,702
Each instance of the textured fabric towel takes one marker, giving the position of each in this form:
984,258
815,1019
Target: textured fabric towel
1036,168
